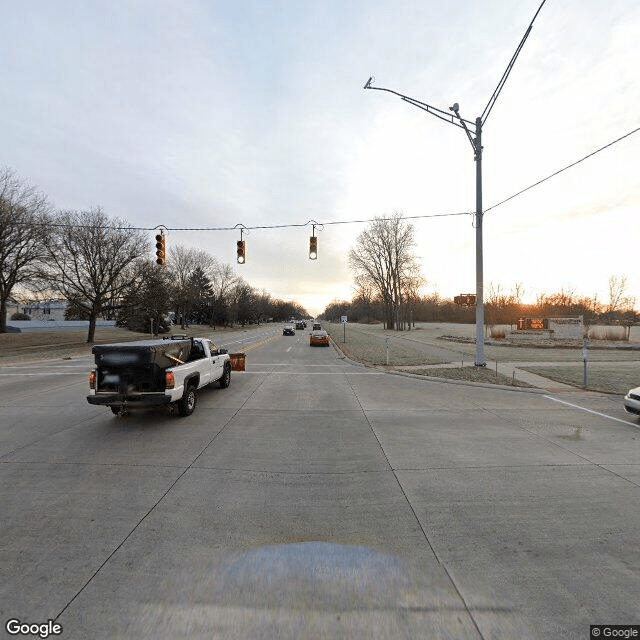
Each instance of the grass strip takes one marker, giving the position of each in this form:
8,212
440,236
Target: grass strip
469,374
608,379
371,350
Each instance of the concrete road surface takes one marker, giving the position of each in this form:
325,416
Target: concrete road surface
317,499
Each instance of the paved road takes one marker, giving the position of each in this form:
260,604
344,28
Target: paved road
317,499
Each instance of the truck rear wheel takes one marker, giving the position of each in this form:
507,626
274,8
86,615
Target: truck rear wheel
225,380
115,410
188,402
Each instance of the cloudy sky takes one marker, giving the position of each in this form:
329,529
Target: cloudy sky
194,113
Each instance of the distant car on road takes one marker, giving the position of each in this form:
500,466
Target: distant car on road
632,402
316,327
301,324
319,338
288,330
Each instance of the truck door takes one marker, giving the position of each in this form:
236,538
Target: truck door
215,362
200,357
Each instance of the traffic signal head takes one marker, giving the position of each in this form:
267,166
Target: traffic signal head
161,252
241,252
313,248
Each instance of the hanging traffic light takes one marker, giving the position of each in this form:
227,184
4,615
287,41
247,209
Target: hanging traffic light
241,252
161,249
313,248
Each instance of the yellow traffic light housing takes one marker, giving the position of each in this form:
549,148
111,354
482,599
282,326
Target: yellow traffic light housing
241,252
313,248
161,249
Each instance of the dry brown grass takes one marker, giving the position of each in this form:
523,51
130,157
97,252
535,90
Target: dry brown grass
430,333
469,374
600,377
369,349
35,345
66,343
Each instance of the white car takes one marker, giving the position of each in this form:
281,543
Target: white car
632,402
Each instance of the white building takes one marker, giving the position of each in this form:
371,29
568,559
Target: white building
42,310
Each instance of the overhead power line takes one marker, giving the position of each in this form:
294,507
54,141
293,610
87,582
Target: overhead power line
365,220
505,75
555,173
270,226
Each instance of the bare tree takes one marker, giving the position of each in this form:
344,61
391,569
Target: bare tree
182,263
223,280
92,259
517,293
618,301
383,257
23,227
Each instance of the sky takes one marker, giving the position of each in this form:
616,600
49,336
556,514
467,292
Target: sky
201,114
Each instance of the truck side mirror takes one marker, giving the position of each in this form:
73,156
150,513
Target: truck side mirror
222,351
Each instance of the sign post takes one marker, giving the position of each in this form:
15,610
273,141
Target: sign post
585,357
343,319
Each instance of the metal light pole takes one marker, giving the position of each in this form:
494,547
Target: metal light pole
476,144
480,361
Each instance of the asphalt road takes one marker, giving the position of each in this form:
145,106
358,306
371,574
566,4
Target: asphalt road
317,499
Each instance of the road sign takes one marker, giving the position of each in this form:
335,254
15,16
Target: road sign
343,319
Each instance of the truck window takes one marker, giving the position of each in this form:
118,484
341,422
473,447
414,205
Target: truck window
197,351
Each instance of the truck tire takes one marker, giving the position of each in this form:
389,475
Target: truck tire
225,380
115,410
188,402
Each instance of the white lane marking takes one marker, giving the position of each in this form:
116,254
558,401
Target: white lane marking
289,349
604,415
296,364
318,373
52,366
44,373
247,339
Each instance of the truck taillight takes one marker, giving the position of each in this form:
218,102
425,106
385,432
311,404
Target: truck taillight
92,380
170,381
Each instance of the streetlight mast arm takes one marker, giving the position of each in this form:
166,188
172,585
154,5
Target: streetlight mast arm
472,140
434,111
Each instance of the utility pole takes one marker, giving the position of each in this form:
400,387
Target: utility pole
480,361
476,144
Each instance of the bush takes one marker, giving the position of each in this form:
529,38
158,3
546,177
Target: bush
20,316
610,333
498,333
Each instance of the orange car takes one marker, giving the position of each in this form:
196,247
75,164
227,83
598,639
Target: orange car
319,338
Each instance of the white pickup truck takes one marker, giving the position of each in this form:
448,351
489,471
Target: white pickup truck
152,373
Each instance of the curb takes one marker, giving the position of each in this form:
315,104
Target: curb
345,357
466,383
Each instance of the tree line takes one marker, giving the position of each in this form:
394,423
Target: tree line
101,267
500,308
387,282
